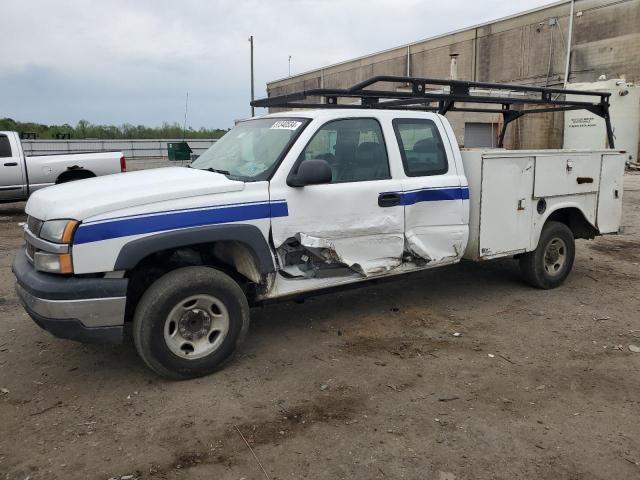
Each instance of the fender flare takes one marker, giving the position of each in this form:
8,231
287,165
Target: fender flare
133,252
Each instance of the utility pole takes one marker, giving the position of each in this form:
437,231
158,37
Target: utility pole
253,110
567,68
289,65
184,126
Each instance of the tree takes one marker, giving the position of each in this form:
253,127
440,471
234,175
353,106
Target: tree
85,129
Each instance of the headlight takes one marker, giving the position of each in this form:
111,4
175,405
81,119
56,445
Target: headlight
53,263
58,231
55,260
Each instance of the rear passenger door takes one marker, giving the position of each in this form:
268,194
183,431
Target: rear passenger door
433,195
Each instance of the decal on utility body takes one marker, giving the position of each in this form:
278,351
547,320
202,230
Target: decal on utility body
177,219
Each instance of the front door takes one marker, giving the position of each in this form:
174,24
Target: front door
351,222
12,182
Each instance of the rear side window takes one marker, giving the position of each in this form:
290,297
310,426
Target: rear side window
354,149
5,147
421,147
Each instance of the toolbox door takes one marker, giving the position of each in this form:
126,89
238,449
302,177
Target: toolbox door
610,197
506,205
567,174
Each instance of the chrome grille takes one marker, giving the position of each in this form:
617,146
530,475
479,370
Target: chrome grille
34,225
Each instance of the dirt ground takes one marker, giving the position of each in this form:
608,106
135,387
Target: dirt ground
364,384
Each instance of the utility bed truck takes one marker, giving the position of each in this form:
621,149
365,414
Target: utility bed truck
20,175
295,203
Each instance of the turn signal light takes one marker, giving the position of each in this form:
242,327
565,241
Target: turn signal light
68,231
53,263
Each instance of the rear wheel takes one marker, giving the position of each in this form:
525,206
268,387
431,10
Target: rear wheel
549,265
189,322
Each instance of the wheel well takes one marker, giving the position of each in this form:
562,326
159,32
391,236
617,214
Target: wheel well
232,257
74,174
574,219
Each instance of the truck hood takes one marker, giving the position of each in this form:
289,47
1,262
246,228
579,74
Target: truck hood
94,196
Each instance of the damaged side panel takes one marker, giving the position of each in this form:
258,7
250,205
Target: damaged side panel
439,244
311,256
331,243
335,230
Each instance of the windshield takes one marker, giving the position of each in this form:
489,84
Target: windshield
252,149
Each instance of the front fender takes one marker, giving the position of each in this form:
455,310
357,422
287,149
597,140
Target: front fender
250,235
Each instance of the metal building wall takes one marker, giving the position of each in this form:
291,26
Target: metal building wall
529,48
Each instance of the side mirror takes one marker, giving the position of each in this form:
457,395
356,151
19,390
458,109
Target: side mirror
311,172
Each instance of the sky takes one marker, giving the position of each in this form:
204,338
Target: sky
119,61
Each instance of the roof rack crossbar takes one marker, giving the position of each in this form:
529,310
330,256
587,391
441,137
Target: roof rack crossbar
415,93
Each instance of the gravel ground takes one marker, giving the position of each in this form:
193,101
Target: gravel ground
368,383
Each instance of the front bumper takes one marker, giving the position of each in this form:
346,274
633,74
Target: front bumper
84,309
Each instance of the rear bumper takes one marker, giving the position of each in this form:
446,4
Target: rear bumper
83,309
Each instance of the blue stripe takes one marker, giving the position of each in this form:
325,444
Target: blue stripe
279,209
434,195
122,227
187,218
159,212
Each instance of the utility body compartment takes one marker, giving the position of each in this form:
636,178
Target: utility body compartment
512,193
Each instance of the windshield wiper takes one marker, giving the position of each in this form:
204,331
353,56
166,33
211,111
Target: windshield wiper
217,170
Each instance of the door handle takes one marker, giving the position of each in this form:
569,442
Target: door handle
11,164
388,199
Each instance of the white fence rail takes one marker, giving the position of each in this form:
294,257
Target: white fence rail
130,148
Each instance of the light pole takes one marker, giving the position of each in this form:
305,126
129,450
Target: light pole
253,110
289,65
567,67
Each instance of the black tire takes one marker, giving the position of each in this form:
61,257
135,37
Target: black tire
538,269
164,296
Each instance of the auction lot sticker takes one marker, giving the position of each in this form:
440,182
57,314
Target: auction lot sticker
286,125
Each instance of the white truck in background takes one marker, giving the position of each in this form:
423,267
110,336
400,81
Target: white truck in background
294,203
20,175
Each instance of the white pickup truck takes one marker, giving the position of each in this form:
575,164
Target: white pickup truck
291,204
20,175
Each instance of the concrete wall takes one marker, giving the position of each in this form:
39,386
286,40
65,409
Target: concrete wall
526,49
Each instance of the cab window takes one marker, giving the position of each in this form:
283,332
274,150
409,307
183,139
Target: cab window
421,147
354,149
5,147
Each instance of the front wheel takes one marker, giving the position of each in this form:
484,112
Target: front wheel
189,322
549,265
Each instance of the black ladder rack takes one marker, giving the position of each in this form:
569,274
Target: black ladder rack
418,94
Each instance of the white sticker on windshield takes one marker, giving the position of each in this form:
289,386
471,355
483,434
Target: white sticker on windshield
286,125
